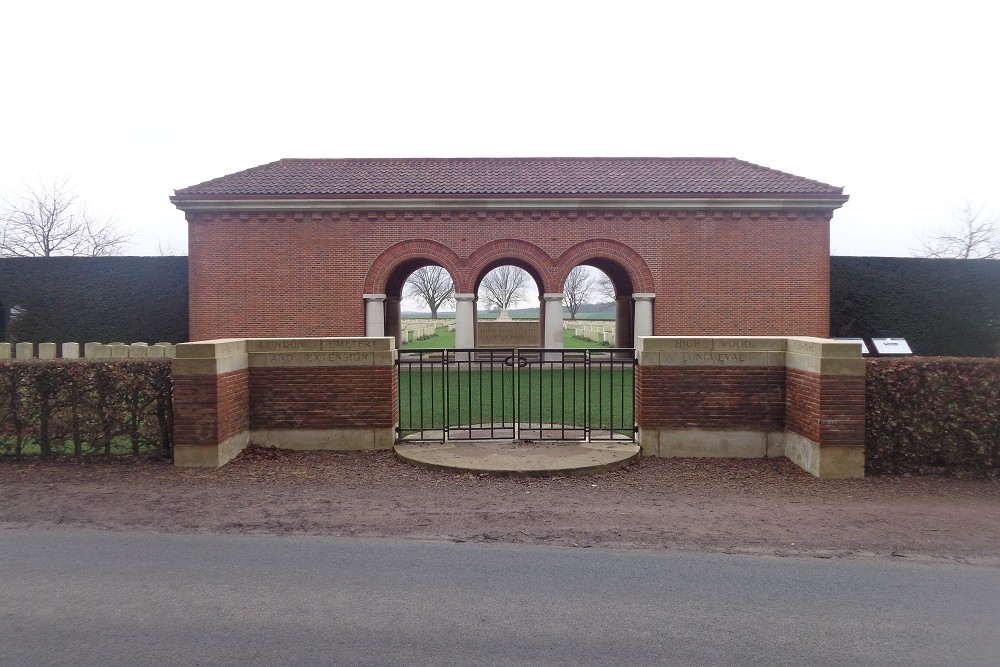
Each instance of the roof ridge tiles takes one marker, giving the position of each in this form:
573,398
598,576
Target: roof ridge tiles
508,177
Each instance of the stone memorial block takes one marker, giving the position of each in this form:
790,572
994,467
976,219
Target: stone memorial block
4,351
508,334
46,350
25,350
138,350
90,350
119,350
70,350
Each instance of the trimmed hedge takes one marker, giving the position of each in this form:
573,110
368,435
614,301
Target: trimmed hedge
104,299
942,307
80,407
933,415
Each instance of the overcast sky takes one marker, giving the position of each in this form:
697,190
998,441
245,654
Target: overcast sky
897,102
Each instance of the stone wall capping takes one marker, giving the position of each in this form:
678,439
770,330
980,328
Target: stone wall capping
211,349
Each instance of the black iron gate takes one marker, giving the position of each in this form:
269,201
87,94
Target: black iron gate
517,394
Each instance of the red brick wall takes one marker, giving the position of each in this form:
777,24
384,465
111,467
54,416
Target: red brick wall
209,409
827,409
681,397
323,398
303,274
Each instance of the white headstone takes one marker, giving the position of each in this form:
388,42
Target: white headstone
25,350
46,350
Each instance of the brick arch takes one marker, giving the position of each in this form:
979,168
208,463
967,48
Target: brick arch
413,253
509,251
598,252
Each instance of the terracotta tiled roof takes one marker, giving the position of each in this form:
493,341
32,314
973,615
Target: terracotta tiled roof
507,177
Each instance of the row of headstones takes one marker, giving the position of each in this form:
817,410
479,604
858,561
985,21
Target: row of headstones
411,333
90,351
600,333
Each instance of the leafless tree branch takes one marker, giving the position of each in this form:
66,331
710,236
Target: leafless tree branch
579,288
972,235
432,287
49,220
504,287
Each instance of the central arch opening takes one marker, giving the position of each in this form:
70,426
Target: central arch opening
508,306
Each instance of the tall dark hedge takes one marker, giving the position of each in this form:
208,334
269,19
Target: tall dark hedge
104,299
942,307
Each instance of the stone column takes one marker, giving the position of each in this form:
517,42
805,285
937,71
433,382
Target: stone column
553,320
643,316
374,315
465,321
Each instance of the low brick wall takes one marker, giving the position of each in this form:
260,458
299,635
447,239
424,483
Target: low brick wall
295,393
730,396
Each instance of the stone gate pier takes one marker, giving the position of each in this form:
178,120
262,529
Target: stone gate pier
753,396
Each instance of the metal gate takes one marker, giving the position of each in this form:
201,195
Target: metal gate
517,394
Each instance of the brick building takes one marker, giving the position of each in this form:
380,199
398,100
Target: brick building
316,247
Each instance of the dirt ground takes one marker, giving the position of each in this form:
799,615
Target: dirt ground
755,506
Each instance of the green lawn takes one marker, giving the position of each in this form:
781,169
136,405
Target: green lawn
599,397
445,339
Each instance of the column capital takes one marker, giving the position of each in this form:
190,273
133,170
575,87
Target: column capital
646,296
464,297
373,297
554,296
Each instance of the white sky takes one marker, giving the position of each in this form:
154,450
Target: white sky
896,101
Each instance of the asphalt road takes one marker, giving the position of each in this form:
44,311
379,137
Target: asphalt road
107,599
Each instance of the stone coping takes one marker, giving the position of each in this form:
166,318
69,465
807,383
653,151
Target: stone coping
814,355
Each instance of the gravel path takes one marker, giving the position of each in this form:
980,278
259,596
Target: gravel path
755,506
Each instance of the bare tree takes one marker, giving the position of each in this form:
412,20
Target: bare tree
170,249
504,287
49,220
971,235
579,288
432,287
604,288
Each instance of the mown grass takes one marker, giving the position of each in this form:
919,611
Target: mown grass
598,397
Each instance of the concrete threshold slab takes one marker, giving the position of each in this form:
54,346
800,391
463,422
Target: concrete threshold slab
519,457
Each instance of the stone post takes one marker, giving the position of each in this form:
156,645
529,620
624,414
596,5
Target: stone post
553,320
374,314
211,402
465,324
643,315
